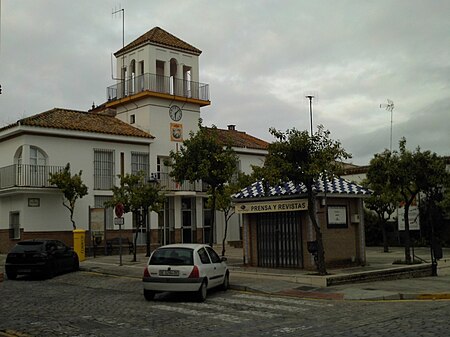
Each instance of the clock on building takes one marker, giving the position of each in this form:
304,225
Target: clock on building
175,113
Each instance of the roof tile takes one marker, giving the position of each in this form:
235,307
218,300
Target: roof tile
81,121
239,139
160,36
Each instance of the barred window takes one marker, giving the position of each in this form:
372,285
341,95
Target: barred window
103,169
140,162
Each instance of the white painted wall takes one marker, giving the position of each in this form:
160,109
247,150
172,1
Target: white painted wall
51,215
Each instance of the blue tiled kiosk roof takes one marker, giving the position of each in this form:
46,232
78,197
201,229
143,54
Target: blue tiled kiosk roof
336,185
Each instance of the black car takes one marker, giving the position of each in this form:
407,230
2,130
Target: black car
40,257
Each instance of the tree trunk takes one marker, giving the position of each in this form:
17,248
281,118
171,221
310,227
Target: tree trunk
321,268
407,236
213,218
384,233
225,235
135,237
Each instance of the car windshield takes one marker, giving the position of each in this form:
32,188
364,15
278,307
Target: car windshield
28,246
173,256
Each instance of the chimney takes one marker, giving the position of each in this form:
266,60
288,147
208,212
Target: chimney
231,127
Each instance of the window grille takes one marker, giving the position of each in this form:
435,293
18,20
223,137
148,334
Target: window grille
103,169
140,162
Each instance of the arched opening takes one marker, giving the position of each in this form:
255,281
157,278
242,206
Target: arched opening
174,87
132,81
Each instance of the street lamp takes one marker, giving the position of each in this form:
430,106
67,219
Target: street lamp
310,98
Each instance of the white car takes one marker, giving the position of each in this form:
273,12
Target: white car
185,268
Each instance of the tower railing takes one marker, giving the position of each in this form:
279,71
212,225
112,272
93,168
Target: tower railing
159,84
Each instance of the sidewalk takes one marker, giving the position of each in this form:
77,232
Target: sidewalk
304,284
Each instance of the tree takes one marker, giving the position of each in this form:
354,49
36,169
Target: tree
384,199
138,196
72,188
304,159
224,201
411,173
202,157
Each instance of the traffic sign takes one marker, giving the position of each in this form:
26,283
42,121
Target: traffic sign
119,210
119,221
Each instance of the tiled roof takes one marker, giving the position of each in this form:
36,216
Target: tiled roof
161,37
239,139
81,121
334,186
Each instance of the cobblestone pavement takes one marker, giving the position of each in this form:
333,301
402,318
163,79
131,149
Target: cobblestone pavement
89,304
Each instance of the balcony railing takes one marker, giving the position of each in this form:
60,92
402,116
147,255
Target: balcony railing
160,84
169,184
24,175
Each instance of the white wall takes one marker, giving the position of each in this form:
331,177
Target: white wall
51,215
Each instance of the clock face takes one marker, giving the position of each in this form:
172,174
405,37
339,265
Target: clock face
175,113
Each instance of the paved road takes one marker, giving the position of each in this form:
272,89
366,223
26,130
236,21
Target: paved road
89,304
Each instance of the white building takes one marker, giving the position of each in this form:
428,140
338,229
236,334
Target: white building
147,114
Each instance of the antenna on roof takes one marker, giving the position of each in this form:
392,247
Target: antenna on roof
114,12
389,107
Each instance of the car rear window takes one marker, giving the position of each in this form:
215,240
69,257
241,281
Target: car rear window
28,246
173,256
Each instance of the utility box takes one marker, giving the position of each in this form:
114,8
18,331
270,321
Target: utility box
79,243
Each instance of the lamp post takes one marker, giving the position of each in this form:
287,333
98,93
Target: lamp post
310,98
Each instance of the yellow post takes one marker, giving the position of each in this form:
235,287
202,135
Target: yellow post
79,243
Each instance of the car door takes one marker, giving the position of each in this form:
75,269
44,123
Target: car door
218,269
206,266
64,256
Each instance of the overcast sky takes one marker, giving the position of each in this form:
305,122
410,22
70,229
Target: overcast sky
260,59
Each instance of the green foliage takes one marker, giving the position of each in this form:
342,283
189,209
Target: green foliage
72,188
301,158
407,173
202,157
136,193
385,197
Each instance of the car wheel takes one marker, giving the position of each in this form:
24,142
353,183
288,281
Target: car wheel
149,295
226,282
201,293
11,275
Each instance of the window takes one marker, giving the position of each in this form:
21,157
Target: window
37,157
14,225
213,255
132,119
139,162
203,256
103,169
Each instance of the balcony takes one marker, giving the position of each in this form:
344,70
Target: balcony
168,184
24,175
160,86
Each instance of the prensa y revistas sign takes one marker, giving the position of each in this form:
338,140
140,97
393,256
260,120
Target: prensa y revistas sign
273,206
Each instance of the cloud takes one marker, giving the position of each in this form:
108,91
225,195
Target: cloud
260,58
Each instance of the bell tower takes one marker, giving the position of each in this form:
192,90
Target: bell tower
158,88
